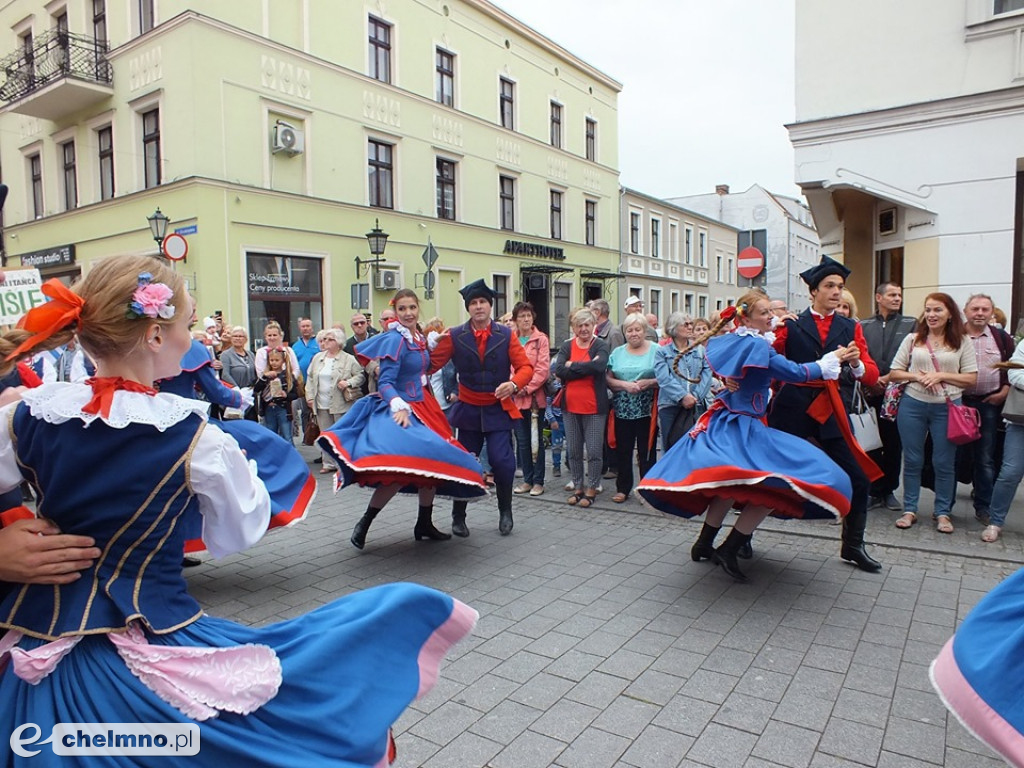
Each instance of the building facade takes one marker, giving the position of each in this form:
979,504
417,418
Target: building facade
780,227
674,259
907,142
276,135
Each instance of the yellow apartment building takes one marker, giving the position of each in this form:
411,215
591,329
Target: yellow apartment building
275,136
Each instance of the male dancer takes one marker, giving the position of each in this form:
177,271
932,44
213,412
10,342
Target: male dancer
815,410
484,352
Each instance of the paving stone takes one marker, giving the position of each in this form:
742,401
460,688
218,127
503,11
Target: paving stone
594,749
746,713
529,750
445,722
709,686
860,707
626,717
786,744
505,722
565,720
764,684
722,747
852,740
655,687
657,748
627,664
464,749
598,689
686,715
541,691
487,692
915,739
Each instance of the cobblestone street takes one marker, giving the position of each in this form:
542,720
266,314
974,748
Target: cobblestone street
602,644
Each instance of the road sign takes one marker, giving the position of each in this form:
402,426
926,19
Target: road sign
750,262
429,256
428,281
175,247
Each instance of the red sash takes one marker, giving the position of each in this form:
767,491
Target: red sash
472,397
829,403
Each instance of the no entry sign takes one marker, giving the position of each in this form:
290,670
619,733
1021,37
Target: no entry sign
750,262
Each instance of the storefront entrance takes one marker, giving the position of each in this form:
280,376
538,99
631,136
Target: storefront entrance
283,289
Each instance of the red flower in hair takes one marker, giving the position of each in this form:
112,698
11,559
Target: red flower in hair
729,313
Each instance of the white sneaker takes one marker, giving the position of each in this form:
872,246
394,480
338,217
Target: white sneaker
570,486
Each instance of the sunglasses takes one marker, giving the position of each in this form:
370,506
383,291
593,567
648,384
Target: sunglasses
359,322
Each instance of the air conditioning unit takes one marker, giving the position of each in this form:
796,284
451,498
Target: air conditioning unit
387,280
536,281
288,139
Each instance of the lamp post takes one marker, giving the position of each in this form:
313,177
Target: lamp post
158,227
377,239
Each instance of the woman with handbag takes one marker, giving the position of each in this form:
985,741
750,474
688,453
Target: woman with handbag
684,379
332,384
937,362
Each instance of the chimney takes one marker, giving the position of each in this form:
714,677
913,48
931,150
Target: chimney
722,189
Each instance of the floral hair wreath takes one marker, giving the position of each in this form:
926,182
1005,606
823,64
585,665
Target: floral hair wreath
151,300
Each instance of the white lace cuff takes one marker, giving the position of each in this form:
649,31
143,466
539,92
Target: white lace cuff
830,366
857,369
432,339
398,404
247,398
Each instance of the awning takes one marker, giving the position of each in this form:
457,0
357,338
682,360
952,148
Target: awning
544,269
600,275
869,189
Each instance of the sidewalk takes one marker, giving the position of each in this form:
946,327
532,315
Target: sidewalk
601,644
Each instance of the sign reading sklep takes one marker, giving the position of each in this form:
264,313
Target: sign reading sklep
19,292
160,739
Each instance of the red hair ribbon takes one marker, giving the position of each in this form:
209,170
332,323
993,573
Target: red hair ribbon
729,313
63,309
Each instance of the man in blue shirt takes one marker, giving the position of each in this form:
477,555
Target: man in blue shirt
305,347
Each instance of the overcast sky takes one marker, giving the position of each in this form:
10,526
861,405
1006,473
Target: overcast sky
707,86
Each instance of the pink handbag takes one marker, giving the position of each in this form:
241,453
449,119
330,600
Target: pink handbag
964,423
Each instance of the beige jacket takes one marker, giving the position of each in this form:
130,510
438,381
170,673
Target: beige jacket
346,372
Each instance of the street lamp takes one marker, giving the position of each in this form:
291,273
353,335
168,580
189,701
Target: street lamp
378,241
158,226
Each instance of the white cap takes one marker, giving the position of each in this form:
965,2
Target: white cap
632,300
209,322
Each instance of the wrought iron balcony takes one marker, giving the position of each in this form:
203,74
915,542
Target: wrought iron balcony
61,74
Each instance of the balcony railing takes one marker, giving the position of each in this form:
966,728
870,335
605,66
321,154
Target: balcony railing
54,56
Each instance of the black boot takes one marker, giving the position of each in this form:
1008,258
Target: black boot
459,527
725,555
746,551
359,532
425,526
504,493
853,543
703,548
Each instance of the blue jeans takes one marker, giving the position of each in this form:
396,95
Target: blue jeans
557,441
275,418
983,452
1010,474
533,471
916,419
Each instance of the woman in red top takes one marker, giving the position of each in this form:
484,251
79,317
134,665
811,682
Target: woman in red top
581,365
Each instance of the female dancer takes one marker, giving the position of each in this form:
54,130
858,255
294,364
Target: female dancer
126,643
731,459
398,439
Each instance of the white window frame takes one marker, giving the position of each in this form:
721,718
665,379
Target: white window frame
673,299
673,241
456,160
141,105
27,153
455,74
516,196
702,248
656,242
688,245
639,232
393,57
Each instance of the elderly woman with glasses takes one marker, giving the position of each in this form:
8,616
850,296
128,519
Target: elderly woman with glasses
333,384
631,379
581,365
684,380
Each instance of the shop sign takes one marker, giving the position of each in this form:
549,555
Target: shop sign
519,248
60,256
19,292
